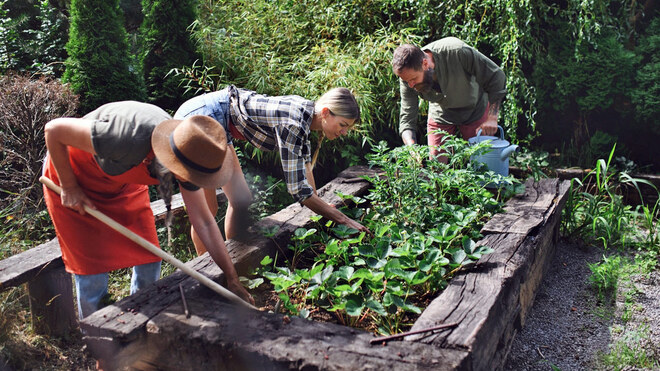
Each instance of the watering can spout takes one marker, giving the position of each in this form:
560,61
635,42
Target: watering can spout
506,152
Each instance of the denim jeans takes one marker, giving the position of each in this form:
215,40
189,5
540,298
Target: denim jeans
91,288
214,105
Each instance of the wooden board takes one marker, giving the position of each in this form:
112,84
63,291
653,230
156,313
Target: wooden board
177,205
489,300
216,337
20,268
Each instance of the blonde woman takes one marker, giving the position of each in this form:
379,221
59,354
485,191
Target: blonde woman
281,123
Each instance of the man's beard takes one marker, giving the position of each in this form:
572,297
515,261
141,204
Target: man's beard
427,82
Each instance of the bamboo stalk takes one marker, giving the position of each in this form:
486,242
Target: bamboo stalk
154,249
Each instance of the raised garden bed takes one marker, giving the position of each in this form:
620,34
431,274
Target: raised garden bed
488,302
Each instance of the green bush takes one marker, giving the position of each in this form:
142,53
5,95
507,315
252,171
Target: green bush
646,93
26,105
576,85
32,38
99,67
167,45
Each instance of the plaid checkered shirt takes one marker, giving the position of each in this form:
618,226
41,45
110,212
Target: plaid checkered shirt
283,123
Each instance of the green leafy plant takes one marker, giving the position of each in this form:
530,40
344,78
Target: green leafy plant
99,67
595,209
167,44
425,223
605,276
633,349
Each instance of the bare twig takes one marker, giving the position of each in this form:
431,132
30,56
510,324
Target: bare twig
385,339
185,303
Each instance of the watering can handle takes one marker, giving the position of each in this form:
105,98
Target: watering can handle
501,130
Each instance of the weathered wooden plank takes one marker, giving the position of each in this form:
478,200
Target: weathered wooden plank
523,214
20,268
177,205
217,337
631,195
51,303
494,297
127,318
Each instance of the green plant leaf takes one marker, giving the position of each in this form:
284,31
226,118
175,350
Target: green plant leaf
267,260
303,233
354,306
345,272
376,307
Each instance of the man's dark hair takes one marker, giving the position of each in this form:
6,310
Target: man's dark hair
407,56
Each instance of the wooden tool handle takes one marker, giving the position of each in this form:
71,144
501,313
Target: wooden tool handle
153,249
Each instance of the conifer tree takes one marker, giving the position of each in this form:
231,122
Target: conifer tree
99,66
167,45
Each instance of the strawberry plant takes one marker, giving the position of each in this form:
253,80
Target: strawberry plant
425,217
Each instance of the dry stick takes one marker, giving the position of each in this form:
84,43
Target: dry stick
185,304
153,249
396,336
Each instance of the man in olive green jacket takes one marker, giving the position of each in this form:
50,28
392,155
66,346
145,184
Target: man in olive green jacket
464,89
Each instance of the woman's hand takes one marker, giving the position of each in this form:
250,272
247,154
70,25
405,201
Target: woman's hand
74,198
238,289
355,225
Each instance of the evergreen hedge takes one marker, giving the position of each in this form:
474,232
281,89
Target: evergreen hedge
99,67
166,45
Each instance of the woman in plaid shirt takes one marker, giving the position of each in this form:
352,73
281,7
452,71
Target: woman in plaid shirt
280,123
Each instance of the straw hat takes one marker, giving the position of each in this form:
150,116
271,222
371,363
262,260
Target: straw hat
194,149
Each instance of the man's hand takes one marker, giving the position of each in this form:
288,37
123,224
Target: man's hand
489,127
408,137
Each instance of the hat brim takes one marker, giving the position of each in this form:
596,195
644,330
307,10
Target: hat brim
160,142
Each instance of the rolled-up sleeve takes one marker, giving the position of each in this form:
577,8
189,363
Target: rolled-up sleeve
408,117
294,153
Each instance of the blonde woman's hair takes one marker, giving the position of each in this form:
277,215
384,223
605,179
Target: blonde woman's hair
341,102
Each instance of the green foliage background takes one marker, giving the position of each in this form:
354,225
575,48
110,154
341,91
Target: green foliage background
166,45
580,73
99,67
573,68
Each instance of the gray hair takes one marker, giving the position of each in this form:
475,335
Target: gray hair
341,102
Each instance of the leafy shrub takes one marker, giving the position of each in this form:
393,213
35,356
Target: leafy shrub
646,93
595,210
581,82
26,105
33,37
99,67
167,45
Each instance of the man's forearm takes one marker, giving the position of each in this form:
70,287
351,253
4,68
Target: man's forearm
494,108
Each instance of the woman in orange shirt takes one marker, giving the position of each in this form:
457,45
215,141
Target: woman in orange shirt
106,160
